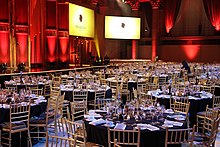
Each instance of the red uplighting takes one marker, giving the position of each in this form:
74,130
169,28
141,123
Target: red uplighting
51,41
21,45
63,48
4,47
191,51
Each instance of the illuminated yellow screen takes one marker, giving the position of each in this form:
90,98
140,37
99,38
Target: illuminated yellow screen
81,21
122,27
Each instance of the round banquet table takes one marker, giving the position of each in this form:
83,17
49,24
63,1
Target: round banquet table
197,104
91,94
35,110
99,134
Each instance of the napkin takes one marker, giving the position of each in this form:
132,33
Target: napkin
141,126
97,122
169,111
173,123
151,128
120,126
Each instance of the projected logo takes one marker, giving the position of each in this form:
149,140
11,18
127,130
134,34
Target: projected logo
80,17
123,25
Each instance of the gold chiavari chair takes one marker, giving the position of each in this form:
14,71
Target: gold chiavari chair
37,91
18,122
11,87
206,88
162,80
149,98
54,92
141,86
207,115
31,86
179,136
97,102
47,121
123,89
174,99
77,110
181,107
81,96
115,88
60,110
216,102
64,80
46,92
208,137
76,131
124,137
55,141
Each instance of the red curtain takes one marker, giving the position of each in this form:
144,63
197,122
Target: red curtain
51,14
171,12
63,17
21,12
35,31
4,14
4,47
63,48
22,48
212,8
51,42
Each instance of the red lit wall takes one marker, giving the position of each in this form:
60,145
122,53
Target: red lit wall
4,47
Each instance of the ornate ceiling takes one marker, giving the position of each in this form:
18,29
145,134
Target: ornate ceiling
133,3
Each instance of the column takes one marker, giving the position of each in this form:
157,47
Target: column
134,6
155,27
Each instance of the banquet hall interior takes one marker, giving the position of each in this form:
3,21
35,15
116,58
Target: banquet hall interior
109,73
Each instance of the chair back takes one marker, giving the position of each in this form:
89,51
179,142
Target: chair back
80,95
141,86
214,132
19,114
12,87
76,131
174,99
178,136
181,107
78,110
162,80
206,89
64,80
216,102
37,91
46,92
124,137
210,115
99,99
